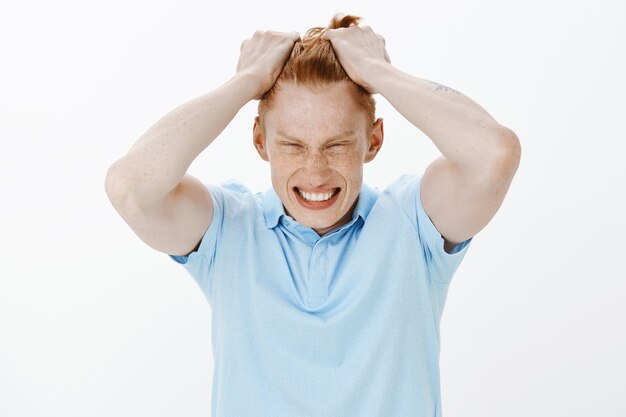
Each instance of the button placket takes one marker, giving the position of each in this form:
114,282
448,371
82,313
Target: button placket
317,274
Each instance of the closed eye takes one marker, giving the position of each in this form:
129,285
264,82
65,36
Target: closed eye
337,144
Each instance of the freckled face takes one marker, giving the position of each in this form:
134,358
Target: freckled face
317,142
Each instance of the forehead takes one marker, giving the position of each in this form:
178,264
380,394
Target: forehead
320,114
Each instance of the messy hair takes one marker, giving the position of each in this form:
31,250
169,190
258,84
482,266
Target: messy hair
313,64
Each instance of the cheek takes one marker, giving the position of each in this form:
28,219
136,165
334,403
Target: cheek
347,160
282,166
352,167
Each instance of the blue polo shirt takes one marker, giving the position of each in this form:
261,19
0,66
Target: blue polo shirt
343,325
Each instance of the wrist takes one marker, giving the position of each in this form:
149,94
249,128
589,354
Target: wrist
247,85
376,73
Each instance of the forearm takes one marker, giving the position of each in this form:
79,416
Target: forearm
160,158
460,128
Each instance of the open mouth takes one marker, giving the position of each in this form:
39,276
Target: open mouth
319,204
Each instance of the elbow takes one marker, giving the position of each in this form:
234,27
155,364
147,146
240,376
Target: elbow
508,155
513,146
510,139
115,184
109,182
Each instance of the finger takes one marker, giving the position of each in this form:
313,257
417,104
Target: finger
293,35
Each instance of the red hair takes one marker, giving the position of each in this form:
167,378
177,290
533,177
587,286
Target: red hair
313,64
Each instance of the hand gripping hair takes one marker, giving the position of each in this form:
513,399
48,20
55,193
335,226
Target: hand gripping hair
313,64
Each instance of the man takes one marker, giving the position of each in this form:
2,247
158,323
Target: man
326,294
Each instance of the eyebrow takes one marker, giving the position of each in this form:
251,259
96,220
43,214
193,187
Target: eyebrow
343,135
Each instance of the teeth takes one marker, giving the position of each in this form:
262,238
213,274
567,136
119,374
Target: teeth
315,197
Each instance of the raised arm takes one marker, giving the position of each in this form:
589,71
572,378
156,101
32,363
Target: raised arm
167,208
461,190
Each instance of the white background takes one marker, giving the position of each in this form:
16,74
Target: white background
93,322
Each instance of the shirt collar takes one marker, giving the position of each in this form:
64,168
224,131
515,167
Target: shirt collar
273,208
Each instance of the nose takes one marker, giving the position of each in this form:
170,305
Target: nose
316,167
316,160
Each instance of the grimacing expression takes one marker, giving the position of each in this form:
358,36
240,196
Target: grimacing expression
317,142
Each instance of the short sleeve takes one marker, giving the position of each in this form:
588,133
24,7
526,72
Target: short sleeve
226,203
441,264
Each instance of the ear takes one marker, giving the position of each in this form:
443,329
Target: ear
258,139
375,140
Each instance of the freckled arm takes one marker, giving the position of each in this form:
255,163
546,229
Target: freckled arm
460,128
